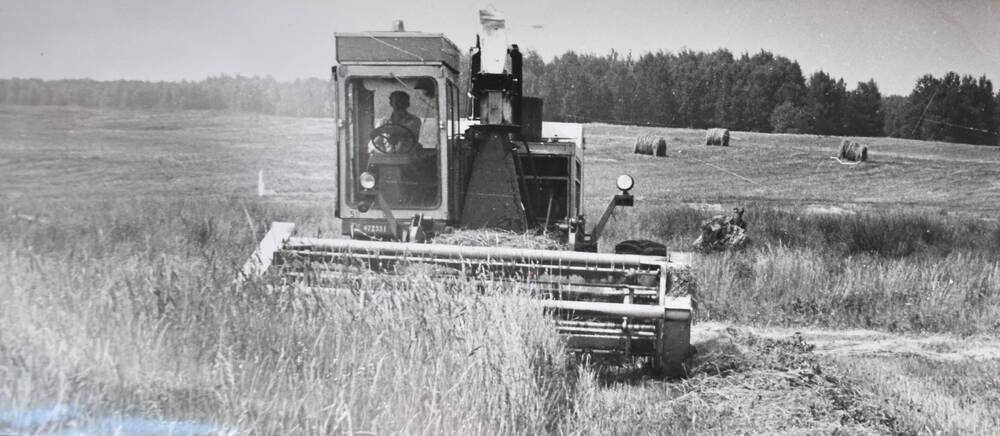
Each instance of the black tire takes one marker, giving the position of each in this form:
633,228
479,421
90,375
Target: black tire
673,348
644,247
628,247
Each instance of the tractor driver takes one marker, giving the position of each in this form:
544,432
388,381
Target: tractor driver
411,180
407,122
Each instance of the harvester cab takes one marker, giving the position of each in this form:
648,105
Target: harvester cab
411,166
397,129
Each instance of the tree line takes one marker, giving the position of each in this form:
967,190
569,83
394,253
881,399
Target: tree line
952,108
265,95
760,92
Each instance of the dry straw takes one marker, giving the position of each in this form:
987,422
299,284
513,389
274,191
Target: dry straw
497,238
651,145
717,137
851,151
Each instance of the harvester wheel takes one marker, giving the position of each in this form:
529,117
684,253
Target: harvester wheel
673,348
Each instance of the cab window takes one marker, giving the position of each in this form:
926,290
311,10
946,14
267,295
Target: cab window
394,136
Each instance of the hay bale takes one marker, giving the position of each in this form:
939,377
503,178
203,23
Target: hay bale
651,145
717,137
852,151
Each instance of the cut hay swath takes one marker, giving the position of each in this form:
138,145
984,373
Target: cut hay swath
852,152
717,137
497,238
651,145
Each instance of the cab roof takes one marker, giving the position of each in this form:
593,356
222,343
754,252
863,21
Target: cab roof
396,47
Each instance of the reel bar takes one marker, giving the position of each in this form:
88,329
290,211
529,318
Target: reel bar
581,290
618,333
528,264
672,309
405,249
604,325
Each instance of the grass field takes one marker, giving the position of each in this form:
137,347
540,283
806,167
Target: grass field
121,232
796,171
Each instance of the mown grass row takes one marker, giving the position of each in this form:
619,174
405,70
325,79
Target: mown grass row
937,397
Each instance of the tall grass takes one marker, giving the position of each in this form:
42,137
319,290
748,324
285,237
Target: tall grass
958,293
130,310
896,271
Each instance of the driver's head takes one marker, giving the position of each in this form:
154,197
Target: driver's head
399,100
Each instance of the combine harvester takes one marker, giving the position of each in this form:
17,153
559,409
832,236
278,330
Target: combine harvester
409,169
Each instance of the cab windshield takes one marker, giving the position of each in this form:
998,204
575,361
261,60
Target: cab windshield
393,131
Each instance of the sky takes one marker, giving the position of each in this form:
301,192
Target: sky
891,41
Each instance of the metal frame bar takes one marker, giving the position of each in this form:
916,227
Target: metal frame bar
674,309
403,249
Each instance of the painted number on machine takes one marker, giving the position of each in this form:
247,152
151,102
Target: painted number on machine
371,228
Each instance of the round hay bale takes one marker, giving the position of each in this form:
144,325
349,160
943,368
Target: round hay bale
651,145
852,151
717,137
845,144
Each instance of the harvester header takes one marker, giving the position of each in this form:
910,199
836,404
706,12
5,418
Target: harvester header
412,166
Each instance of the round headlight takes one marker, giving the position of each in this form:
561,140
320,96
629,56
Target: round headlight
367,180
625,182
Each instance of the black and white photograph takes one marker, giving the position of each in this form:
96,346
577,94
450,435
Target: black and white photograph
565,217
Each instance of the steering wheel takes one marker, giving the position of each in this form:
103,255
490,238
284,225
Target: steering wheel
393,138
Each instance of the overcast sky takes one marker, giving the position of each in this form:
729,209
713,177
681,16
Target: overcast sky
892,41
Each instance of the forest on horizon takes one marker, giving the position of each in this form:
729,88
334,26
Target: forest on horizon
762,92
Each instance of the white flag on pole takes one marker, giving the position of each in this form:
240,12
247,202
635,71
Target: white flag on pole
493,42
